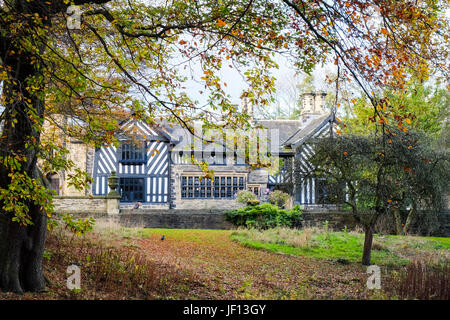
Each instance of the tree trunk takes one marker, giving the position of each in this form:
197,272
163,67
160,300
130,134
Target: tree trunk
21,246
409,220
398,222
367,250
21,252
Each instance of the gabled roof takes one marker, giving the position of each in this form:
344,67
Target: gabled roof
145,130
292,133
311,128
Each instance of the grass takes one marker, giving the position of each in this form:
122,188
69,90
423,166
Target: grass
133,263
343,246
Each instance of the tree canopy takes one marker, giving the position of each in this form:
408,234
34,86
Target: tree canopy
407,175
136,57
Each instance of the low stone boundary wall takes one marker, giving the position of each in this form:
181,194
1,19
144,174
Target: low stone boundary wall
337,220
86,204
215,219
175,219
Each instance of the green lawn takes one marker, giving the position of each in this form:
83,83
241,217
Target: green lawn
345,246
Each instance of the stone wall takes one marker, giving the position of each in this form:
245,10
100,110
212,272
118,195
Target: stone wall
125,207
176,219
200,218
79,204
337,220
86,205
79,154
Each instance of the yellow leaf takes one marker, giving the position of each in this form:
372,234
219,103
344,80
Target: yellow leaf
408,120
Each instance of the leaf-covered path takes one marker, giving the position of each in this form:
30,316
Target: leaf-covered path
227,270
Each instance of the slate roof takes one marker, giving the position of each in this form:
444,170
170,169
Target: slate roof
291,132
286,128
308,130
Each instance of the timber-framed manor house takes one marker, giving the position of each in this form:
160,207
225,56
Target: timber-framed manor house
157,173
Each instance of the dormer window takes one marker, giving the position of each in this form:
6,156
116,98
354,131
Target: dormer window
132,153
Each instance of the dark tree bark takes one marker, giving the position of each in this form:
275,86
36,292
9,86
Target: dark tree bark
21,250
367,250
21,246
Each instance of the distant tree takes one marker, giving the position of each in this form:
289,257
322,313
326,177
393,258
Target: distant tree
424,105
376,177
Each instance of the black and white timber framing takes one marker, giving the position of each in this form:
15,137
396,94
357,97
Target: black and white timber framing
153,170
145,171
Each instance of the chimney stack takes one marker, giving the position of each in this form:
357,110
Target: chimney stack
319,103
307,103
313,103
247,108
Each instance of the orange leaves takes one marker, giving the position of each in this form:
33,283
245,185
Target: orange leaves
408,120
383,120
221,23
384,31
182,42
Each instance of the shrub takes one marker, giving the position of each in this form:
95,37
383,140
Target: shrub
244,196
279,198
78,226
264,216
252,202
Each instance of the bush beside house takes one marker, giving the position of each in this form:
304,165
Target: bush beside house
265,216
279,198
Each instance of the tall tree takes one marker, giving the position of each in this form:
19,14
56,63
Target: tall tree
407,174
424,106
126,56
136,57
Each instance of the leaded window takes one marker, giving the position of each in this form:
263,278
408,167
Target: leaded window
206,188
132,153
131,189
